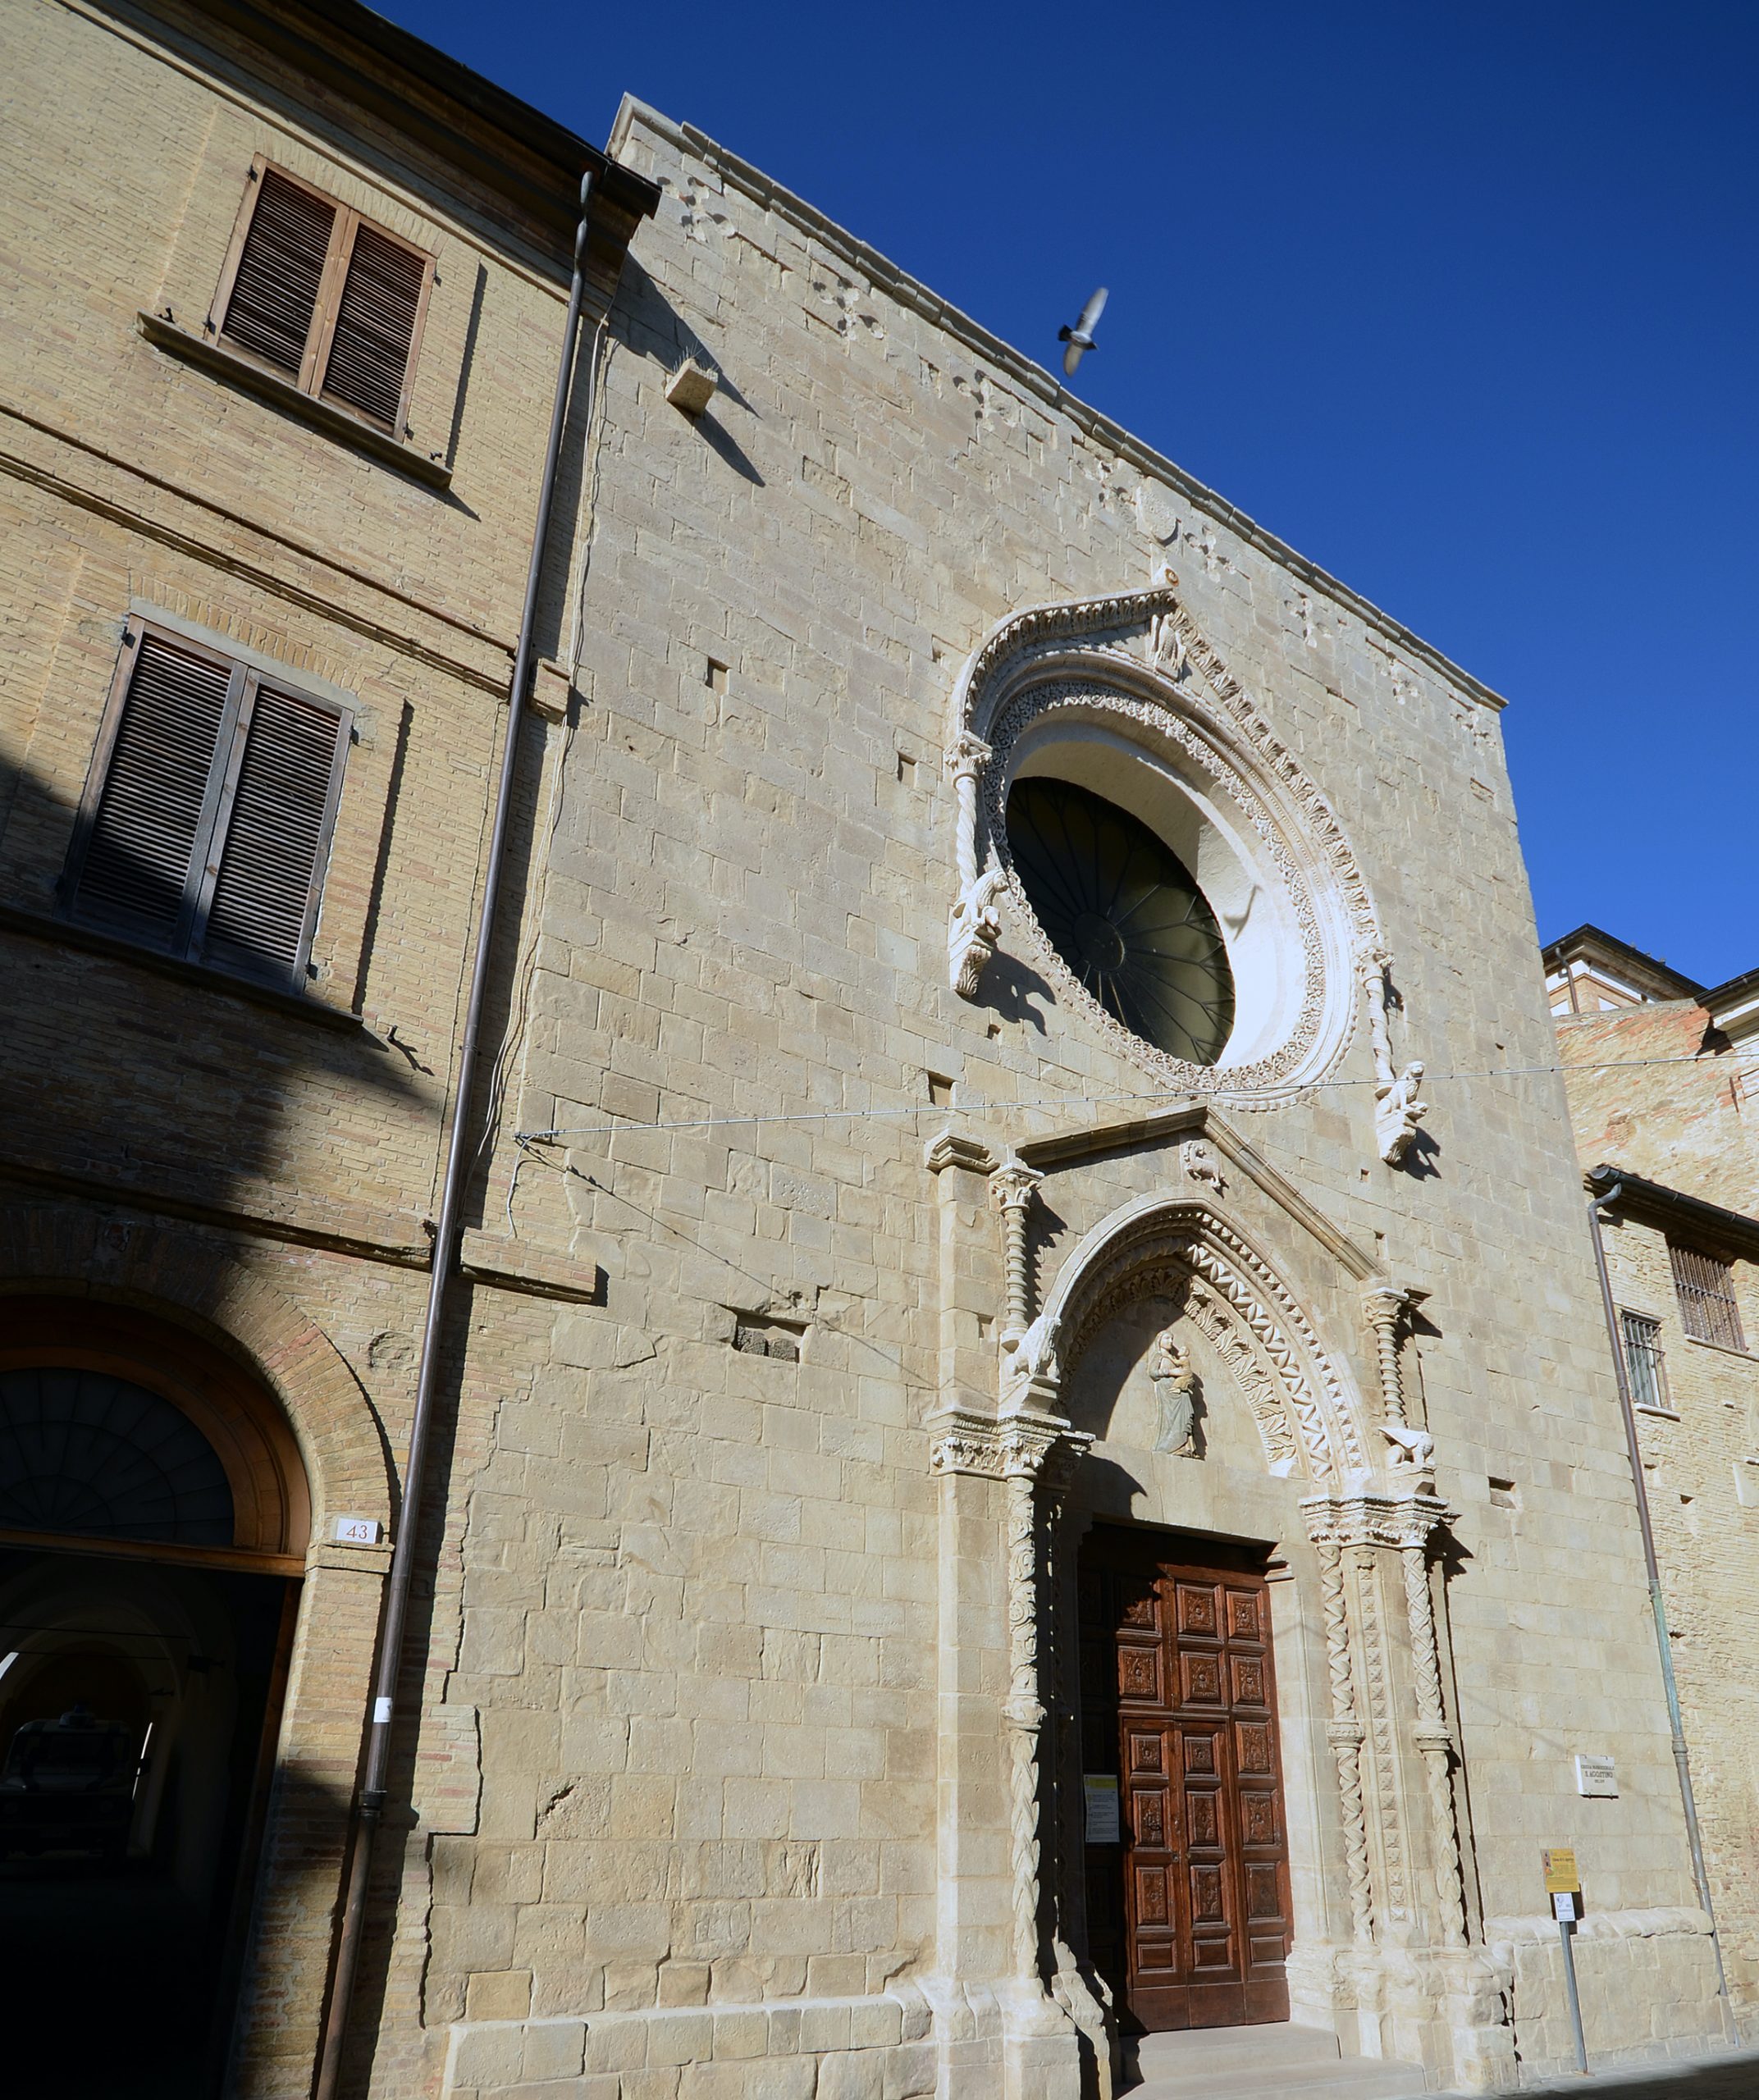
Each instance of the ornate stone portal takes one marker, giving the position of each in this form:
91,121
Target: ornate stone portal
1404,1978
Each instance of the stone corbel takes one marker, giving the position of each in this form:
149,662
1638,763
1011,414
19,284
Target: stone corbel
974,924
1397,1110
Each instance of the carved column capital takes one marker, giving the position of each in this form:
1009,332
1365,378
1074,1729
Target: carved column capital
1011,1183
1385,1305
1374,1520
966,755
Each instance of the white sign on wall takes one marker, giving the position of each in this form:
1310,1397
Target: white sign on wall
358,1531
1100,1790
1596,1778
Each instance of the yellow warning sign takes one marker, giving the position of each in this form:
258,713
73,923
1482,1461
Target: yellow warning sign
1560,1875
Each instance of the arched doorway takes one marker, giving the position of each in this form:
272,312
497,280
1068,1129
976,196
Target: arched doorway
153,1516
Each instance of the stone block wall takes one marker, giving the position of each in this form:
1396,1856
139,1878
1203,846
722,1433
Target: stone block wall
737,1037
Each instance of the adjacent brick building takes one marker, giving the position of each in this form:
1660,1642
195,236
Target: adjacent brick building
1011,1471
1663,1079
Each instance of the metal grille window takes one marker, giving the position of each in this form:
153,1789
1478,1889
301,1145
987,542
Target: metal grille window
1706,1287
206,821
1643,1365
326,297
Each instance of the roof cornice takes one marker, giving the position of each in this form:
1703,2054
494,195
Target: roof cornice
510,150
1657,1205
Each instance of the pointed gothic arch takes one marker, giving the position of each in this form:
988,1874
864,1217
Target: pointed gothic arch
1308,1411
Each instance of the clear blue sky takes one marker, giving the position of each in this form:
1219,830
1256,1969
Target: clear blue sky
1458,298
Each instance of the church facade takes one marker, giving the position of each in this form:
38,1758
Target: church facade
1029,1453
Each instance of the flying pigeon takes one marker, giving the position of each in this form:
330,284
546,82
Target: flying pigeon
1081,337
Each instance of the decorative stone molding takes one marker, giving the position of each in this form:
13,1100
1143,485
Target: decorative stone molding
974,924
1011,1187
1345,1733
1366,1527
952,1148
1133,662
1033,1455
1409,1449
1397,1110
1299,1399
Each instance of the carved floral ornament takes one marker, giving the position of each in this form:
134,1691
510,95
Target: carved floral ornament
1134,669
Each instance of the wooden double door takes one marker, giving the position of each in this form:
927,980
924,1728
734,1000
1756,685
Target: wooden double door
1188,1878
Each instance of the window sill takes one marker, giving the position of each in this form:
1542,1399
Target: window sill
280,392
69,933
1659,1414
1722,1348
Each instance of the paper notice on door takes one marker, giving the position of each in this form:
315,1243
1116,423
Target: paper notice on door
1100,1790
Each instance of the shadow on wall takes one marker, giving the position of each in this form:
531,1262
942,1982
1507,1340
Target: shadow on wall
138,1706
124,1068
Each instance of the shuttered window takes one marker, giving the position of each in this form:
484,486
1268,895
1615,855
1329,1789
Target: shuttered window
206,824
325,296
1706,1289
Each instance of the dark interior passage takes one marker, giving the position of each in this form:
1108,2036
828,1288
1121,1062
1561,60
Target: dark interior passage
138,1699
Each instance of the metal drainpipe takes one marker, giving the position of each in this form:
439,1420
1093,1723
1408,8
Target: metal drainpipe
370,1803
1664,1642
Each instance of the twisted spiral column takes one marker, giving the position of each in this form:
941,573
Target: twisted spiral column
1345,1732
1024,1712
965,760
1011,1188
1384,1305
1435,1742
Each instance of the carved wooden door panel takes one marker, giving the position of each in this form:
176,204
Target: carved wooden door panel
1188,1912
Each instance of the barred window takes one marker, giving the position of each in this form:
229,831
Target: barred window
1706,1287
1643,1366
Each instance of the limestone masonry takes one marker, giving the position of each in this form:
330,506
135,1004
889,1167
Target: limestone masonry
967,1523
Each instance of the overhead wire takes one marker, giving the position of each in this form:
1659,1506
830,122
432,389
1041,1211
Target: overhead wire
1167,1098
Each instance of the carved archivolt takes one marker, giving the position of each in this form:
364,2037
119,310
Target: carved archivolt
1180,1246
1135,662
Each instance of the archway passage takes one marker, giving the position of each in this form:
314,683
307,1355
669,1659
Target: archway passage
147,1506
1186,1852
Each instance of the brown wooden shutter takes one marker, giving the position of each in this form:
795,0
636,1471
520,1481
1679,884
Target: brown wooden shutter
155,807
274,836
375,325
281,271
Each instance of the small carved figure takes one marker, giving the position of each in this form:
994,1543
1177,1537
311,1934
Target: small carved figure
1415,1447
1034,1355
1167,645
973,930
1175,1387
1397,1112
1201,1164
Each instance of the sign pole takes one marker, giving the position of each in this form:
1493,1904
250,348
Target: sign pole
1566,1932
1563,1884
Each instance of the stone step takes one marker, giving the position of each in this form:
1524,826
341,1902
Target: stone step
1270,2043
1274,2061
